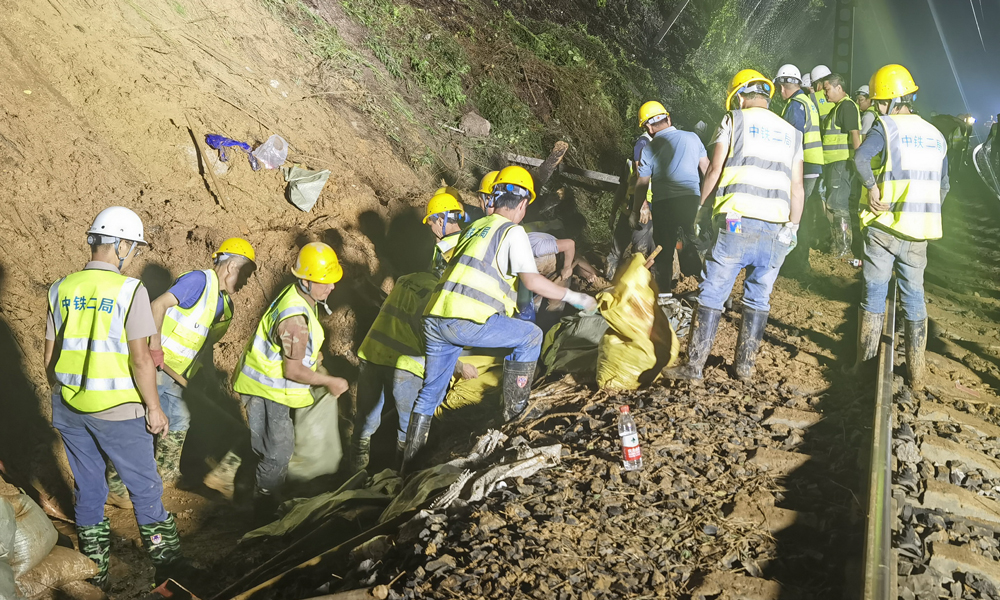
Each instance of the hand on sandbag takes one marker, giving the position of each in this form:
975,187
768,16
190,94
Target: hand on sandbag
789,235
466,371
580,301
337,385
156,421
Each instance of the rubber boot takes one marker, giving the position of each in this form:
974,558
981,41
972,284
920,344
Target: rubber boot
95,544
117,493
869,334
916,347
517,377
841,236
265,507
416,438
223,477
361,450
748,342
700,345
400,449
168,456
164,547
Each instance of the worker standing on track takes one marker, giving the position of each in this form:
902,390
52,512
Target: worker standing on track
756,179
899,213
675,159
868,112
279,365
445,215
803,115
191,317
841,137
475,300
104,399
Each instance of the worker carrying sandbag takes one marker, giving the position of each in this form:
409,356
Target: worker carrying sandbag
279,365
104,398
474,303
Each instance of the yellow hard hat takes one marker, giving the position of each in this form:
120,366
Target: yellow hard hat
649,110
515,175
449,190
486,185
744,79
238,246
318,262
891,81
443,202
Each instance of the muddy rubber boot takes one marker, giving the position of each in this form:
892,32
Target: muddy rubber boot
168,456
95,544
416,438
916,347
869,334
361,450
517,377
748,342
700,345
400,449
117,493
223,477
164,547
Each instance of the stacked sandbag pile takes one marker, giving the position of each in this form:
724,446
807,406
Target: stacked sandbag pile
31,564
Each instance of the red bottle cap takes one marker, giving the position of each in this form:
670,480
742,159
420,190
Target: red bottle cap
623,408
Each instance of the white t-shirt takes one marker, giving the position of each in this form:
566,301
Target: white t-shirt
867,120
515,255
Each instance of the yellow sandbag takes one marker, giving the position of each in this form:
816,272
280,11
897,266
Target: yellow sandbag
639,341
464,393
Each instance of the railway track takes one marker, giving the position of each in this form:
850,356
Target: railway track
933,523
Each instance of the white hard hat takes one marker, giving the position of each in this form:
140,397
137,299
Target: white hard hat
862,90
807,80
117,222
788,74
819,72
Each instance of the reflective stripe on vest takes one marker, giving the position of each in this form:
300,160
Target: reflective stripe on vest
89,309
836,143
909,179
443,250
473,287
757,179
812,141
634,178
396,338
823,105
186,330
260,371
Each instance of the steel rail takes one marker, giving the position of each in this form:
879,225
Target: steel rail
879,561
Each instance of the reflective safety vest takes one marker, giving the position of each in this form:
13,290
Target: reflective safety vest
443,250
185,331
89,309
757,179
823,105
812,141
836,143
909,179
634,178
396,337
260,371
473,287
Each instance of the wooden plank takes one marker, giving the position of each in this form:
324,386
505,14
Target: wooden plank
535,162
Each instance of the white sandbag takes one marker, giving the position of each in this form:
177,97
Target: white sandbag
34,538
8,526
317,439
8,589
60,567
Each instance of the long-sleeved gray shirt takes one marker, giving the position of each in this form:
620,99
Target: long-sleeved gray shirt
873,146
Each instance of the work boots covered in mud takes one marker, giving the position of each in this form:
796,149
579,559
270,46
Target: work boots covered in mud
748,342
416,438
869,334
168,456
700,345
916,348
164,547
95,544
361,450
517,377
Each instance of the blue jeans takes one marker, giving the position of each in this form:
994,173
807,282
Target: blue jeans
757,248
129,447
272,438
445,339
375,382
885,252
172,401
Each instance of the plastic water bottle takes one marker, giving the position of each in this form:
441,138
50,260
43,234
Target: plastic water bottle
631,453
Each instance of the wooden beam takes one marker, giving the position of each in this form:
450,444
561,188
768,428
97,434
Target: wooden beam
535,162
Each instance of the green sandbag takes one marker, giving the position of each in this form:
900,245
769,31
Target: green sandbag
304,186
419,488
571,346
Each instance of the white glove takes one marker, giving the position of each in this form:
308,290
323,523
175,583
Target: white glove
789,235
581,301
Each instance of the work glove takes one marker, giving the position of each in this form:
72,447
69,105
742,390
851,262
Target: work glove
580,301
703,220
157,357
789,235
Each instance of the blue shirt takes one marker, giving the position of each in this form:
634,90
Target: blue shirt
796,113
189,287
671,160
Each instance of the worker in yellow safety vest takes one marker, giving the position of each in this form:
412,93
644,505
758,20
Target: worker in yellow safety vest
622,231
104,399
474,302
868,112
485,192
899,213
755,177
279,365
445,216
818,94
191,317
841,137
